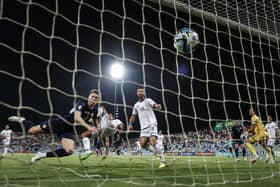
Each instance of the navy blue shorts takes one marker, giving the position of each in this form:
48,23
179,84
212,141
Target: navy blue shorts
59,127
239,142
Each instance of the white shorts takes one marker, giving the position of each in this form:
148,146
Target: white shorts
106,132
7,141
271,142
150,131
160,147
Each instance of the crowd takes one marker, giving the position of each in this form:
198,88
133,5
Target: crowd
200,141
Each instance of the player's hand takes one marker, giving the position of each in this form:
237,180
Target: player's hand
157,106
92,129
129,127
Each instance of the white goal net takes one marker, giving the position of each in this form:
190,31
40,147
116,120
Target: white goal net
54,52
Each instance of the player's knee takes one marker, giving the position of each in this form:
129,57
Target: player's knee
143,142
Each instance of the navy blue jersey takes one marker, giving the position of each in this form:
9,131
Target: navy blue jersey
64,129
86,113
236,131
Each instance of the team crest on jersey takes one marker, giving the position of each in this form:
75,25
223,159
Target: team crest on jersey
80,107
44,126
141,109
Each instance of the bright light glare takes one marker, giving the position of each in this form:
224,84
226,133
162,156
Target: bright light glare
117,71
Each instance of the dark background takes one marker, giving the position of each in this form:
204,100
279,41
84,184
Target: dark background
48,61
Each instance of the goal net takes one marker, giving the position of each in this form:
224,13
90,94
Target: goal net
54,52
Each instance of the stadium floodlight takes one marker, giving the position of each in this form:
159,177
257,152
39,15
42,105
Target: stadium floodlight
117,71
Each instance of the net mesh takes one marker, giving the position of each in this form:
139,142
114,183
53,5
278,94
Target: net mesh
53,52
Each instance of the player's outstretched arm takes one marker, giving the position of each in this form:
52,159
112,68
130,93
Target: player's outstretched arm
131,121
157,106
79,120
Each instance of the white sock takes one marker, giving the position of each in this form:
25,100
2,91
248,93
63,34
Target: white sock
86,143
42,155
5,151
158,151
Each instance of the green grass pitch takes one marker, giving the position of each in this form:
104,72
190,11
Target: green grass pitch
123,171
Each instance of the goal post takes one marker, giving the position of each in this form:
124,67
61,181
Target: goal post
268,30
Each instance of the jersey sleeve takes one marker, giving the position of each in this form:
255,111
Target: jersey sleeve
80,106
275,126
100,111
151,102
266,126
134,111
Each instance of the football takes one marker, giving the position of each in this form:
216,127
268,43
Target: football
186,40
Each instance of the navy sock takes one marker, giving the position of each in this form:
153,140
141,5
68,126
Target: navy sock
244,152
236,153
27,125
59,152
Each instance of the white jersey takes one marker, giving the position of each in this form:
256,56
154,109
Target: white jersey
7,133
115,123
7,136
271,129
146,115
108,127
105,122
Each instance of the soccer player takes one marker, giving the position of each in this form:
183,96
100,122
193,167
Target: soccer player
81,114
109,125
236,132
260,135
86,134
148,123
272,130
7,135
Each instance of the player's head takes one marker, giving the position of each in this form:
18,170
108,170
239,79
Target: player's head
111,116
269,118
141,93
236,123
252,111
120,127
94,97
7,127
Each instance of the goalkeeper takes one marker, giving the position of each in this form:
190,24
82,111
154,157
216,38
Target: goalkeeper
260,135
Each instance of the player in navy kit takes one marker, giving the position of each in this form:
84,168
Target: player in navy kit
236,132
82,114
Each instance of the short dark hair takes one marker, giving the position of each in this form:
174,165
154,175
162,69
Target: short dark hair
94,91
254,108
